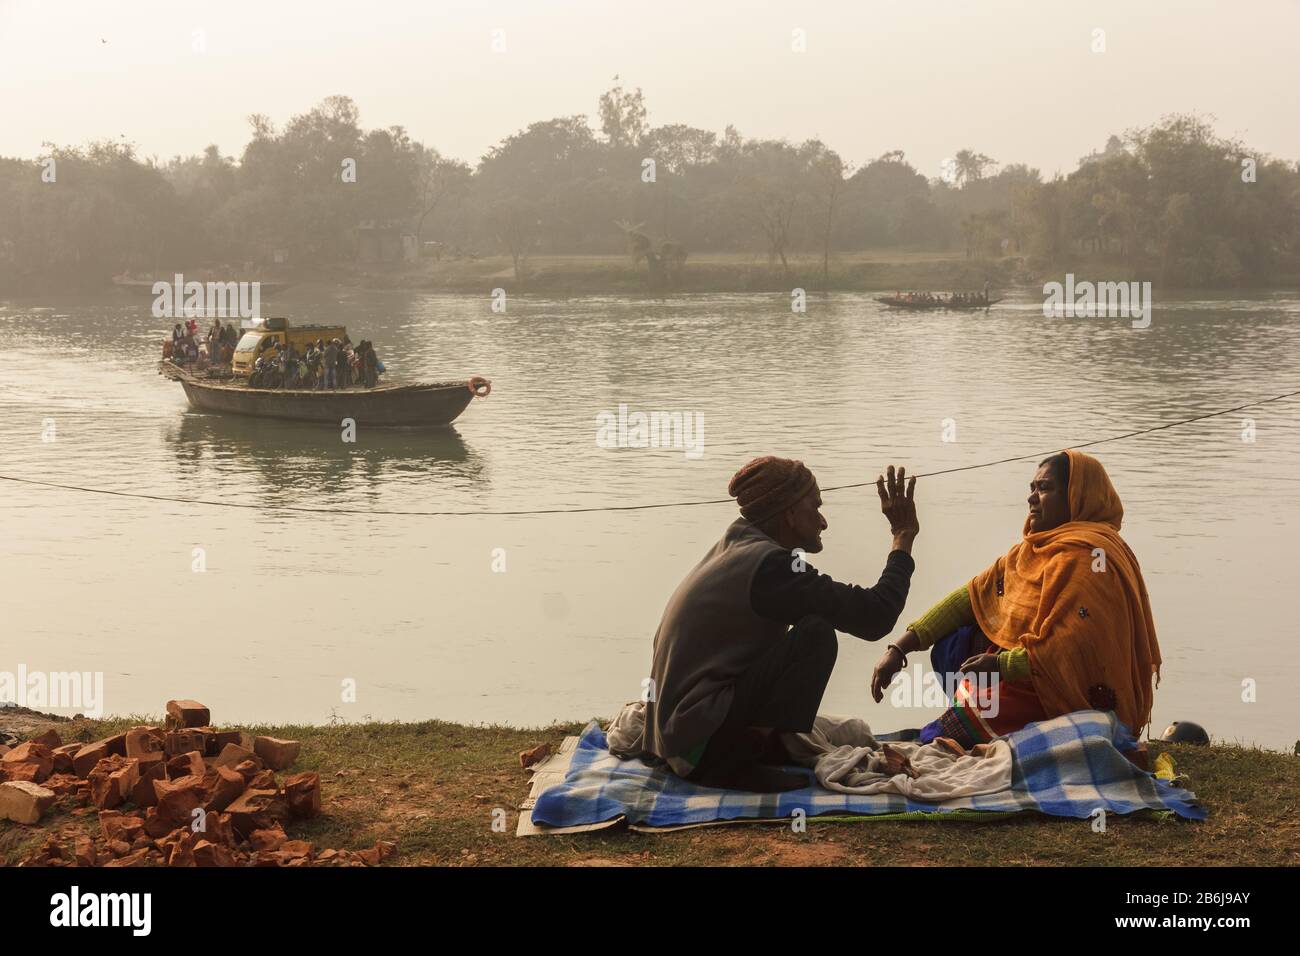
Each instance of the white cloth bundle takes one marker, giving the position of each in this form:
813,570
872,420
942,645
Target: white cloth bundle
846,758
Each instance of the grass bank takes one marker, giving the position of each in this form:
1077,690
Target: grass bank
433,786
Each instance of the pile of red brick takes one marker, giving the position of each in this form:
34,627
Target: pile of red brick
185,794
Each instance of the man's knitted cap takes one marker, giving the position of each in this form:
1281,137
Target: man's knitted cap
767,486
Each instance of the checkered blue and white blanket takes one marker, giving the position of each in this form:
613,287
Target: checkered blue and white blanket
1067,766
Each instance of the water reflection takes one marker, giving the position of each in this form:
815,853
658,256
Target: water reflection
289,459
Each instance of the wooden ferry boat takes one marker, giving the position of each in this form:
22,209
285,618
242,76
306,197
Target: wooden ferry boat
416,405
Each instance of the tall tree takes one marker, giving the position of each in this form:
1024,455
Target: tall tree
971,166
826,184
622,116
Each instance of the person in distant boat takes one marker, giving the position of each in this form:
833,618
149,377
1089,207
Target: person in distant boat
313,364
344,366
1062,620
747,641
213,340
370,364
986,291
289,366
331,361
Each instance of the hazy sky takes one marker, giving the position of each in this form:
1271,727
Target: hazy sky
1018,81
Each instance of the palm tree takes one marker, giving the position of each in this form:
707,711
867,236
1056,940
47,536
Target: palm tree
971,166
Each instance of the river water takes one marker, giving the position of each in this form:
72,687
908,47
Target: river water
530,619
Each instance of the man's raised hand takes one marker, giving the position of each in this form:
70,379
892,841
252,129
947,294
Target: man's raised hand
897,505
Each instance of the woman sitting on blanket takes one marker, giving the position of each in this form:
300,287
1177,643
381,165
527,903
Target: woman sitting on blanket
1062,619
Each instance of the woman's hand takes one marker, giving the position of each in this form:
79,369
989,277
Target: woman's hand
980,664
899,507
890,664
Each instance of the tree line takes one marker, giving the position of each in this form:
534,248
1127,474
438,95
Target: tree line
1173,200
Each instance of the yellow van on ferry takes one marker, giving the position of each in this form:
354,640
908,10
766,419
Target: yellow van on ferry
267,337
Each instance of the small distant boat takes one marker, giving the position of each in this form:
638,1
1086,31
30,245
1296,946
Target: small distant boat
417,405
126,282
902,302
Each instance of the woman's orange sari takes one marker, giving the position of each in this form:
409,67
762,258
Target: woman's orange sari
1075,599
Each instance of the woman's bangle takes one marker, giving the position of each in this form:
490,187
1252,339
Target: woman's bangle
901,653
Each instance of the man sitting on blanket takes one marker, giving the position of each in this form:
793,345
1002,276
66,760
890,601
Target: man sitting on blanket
747,641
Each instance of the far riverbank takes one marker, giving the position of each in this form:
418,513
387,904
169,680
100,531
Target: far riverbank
572,276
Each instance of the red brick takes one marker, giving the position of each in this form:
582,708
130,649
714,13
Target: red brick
183,741
177,800
137,859
187,713
233,754
112,781
218,829
156,826
140,741
257,810
218,739
207,853
88,756
222,786
248,769
142,794
63,784
302,793
529,757
23,802
120,826
26,772
156,758
294,849
83,851
189,764
178,848
31,752
264,780
272,838
50,739
276,753
63,758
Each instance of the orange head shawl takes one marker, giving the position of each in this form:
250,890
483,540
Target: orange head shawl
1075,599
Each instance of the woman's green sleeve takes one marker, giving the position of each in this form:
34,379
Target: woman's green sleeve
1013,665
952,612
